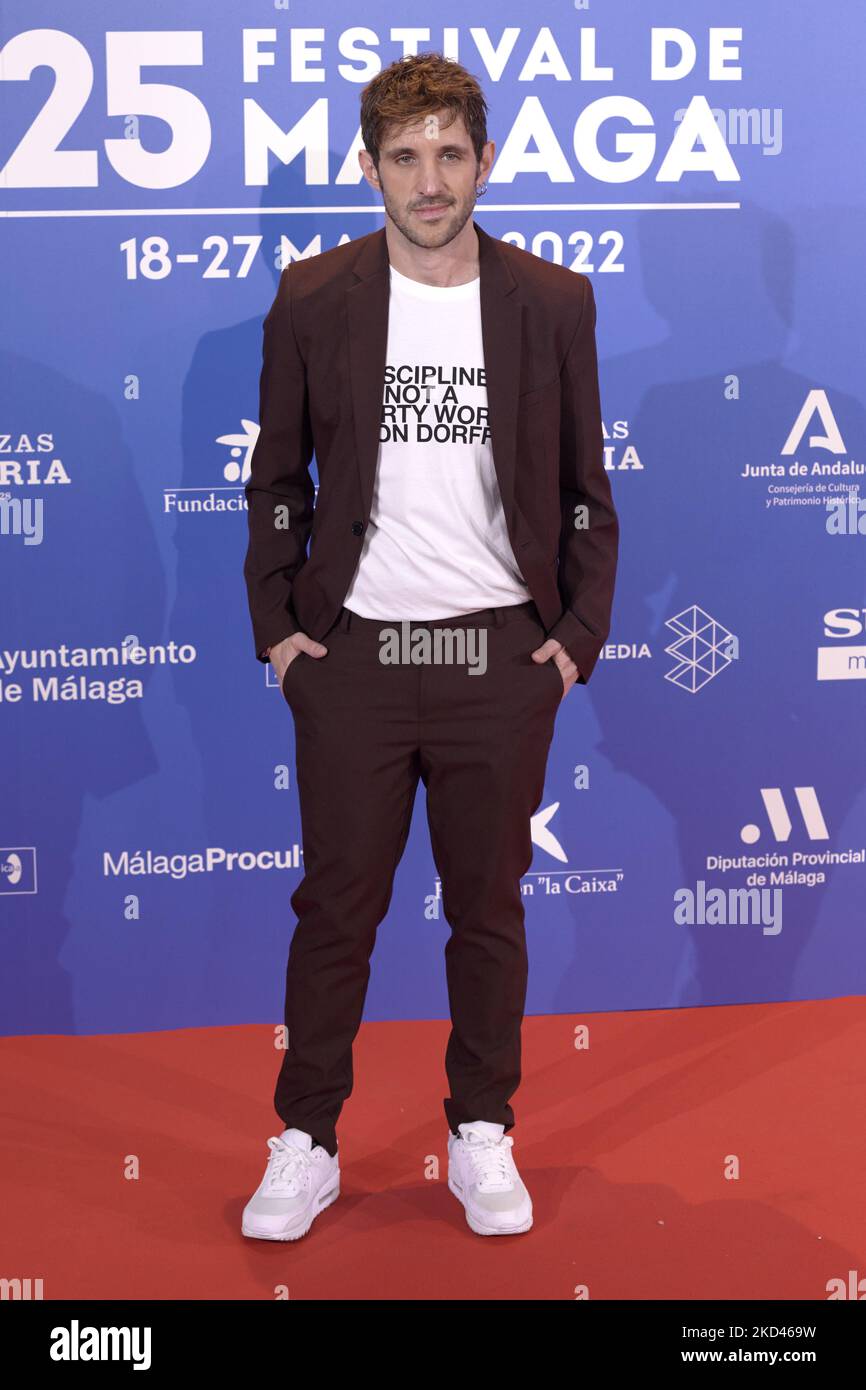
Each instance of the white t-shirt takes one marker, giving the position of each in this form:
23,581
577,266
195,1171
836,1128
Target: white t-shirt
436,545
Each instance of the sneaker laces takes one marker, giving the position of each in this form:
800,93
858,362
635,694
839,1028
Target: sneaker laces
289,1166
491,1161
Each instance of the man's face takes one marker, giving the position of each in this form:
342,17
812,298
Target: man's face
427,176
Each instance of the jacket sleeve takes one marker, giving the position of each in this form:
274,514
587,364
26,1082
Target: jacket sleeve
588,551
280,490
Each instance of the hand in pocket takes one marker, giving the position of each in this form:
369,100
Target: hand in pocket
285,652
554,651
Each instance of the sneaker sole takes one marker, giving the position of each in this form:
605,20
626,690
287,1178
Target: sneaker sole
477,1226
324,1199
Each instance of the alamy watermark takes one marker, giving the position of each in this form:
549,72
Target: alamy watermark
729,907
438,646
21,516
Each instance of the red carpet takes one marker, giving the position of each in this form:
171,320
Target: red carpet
623,1147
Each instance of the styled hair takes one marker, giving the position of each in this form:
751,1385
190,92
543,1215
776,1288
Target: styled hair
414,87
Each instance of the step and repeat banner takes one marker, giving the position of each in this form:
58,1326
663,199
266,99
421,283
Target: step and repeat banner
702,835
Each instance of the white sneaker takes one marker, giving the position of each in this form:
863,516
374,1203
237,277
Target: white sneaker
483,1176
299,1182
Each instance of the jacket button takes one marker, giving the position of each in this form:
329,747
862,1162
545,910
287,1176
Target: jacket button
357,528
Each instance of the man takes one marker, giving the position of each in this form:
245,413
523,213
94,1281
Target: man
447,383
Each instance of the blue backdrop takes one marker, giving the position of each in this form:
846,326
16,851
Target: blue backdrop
157,161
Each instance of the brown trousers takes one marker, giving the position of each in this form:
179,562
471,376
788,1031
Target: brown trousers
365,731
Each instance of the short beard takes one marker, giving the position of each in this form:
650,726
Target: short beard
437,236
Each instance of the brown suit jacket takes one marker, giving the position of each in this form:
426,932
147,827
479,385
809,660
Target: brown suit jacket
321,388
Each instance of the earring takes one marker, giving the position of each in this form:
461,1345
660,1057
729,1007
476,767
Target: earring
480,189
